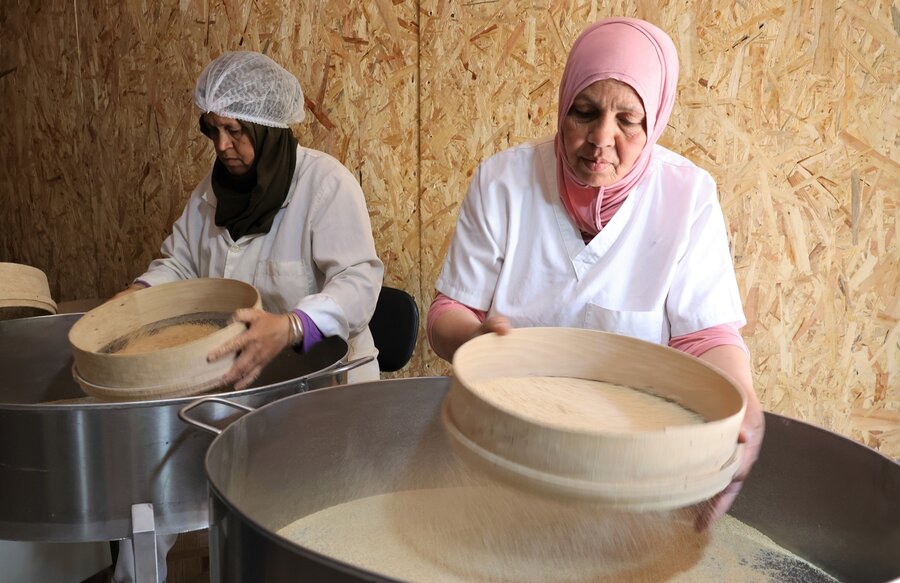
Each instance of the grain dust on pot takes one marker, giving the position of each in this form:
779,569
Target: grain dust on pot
363,483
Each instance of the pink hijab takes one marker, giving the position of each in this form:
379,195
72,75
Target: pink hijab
634,52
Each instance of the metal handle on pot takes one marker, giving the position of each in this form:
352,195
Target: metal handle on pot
338,369
182,413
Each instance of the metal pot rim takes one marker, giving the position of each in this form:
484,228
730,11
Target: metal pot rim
112,405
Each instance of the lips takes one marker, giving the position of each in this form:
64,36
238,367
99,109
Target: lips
595,164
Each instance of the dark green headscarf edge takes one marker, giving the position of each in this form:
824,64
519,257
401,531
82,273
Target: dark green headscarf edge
247,205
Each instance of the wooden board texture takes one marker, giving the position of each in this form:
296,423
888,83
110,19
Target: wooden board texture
792,106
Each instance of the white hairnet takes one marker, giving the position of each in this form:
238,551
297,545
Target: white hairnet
251,87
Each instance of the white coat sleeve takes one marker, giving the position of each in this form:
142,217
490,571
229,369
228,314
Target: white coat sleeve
475,258
180,249
704,291
343,250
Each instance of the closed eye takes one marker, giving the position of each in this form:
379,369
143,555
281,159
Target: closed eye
583,114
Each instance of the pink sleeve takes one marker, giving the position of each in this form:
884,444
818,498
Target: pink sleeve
442,304
696,343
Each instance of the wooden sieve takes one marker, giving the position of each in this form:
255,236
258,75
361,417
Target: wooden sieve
106,372
24,292
639,470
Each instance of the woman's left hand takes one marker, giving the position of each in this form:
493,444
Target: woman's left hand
266,335
751,436
734,362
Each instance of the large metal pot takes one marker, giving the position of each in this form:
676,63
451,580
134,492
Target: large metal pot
826,498
72,471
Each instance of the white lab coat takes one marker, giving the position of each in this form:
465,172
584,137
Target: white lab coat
660,268
319,255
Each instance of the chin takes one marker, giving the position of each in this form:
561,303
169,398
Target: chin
596,181
236,171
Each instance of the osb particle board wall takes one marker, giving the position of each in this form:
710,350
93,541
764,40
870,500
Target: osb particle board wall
792,106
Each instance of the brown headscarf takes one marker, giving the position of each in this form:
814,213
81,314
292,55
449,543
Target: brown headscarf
247,205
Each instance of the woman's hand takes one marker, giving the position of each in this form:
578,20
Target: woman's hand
266,335
456,327
129,290
734,362
496,324
751,435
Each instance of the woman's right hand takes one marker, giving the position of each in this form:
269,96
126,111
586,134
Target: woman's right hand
496,324
266,335
129,290
456,327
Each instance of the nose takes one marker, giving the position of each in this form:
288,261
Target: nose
603,131
222,141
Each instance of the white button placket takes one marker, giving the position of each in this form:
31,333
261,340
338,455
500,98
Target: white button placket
231,262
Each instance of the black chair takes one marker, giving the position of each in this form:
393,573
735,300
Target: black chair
395,327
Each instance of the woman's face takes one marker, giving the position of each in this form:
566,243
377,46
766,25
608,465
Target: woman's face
604,132
233,145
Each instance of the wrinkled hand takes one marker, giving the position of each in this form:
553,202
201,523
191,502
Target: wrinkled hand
129,290
456,327
496,324
266,335
751,436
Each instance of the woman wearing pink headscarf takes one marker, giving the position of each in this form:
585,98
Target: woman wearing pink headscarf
600,227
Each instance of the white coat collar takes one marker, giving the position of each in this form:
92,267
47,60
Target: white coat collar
581,256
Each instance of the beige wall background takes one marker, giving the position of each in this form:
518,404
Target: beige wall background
791,105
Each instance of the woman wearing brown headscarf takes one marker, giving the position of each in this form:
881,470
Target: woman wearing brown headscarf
290,220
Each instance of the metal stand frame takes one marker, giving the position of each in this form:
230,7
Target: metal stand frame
143,538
